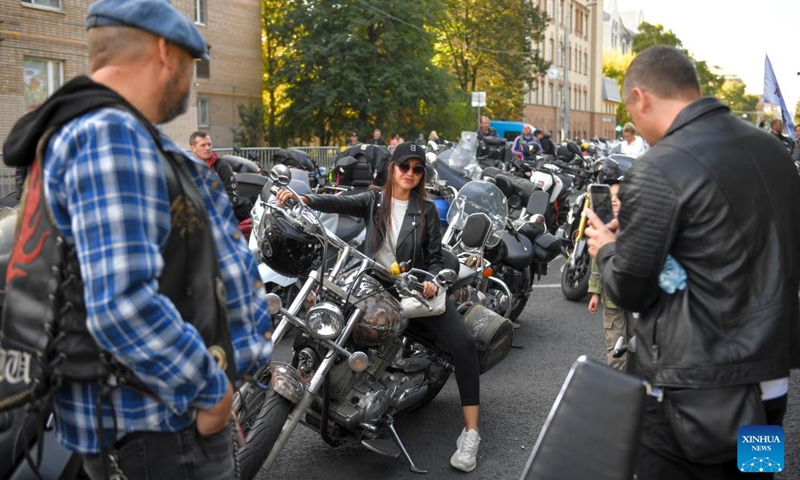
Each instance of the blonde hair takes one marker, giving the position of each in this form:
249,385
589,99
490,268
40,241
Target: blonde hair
630,128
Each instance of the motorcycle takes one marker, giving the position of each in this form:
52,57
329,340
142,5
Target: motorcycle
345,365
575,276
476,223
27,440
525,249
348,228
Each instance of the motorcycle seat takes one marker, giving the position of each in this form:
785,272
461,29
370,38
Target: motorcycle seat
518,253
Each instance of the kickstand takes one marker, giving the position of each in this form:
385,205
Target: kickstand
390,423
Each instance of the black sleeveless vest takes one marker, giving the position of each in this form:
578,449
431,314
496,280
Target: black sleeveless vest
44,337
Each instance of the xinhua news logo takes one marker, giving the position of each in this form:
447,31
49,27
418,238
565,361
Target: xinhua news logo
760,448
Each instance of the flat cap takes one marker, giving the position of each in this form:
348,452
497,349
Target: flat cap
158,17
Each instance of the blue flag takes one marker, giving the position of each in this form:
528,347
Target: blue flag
773,95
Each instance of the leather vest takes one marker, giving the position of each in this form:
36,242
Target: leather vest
44,336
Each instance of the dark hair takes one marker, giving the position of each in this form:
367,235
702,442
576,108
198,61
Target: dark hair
665,71
195,135
385,209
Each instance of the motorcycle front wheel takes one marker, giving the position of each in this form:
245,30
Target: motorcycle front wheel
575,278
261,432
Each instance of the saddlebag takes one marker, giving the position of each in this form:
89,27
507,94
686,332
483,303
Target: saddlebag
493,334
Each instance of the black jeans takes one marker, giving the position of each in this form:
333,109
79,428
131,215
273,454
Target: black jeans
450,330
658,456
184,455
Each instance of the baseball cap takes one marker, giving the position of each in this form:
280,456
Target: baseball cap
407,150
158,17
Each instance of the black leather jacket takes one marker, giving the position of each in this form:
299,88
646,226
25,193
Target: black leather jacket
420,239
719,196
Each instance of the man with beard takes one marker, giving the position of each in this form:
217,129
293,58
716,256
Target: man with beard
131,251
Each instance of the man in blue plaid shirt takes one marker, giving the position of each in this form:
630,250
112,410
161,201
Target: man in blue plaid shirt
104,173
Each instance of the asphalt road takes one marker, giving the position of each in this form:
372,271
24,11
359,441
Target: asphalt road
516,397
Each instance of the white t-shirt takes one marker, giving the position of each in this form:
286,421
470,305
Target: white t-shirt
634,149
386,254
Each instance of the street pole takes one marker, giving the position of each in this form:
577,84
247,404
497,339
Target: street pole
555,36
565,92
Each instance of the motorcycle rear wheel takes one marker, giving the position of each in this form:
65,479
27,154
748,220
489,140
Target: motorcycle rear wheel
575,279
261,433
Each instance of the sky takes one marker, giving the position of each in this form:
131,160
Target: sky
735,35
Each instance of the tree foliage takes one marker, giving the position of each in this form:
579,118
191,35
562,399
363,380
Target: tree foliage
488,46
742,104
276,43
356,65
615,65
250,133
649,35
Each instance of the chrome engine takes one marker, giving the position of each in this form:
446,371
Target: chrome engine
359,401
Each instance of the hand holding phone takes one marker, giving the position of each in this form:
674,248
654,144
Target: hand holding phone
600,201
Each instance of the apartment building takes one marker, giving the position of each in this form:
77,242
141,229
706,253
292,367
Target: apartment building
568,101
43,45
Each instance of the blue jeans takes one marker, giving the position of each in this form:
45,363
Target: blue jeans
183,455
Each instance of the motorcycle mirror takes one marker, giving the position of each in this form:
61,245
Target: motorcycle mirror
446,277
432,159
280,175
514,202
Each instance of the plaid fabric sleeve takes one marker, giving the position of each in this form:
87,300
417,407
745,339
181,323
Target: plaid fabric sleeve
113,203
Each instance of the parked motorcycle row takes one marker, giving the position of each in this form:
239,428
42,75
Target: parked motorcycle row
345,363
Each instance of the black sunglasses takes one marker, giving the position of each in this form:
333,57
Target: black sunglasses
405,167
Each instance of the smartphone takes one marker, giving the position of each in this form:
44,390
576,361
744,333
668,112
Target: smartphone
600,201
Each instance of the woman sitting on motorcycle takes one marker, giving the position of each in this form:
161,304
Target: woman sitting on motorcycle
402,226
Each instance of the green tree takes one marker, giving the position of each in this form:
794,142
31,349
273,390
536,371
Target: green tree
250,133
357,65
614,66
742,104
488,46
649,35
276,42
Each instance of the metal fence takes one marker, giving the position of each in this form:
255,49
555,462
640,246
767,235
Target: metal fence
324,156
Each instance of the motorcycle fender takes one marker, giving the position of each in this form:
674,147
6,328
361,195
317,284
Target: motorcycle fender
286,381
269,275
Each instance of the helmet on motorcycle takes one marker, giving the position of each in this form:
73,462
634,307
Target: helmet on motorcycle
287,250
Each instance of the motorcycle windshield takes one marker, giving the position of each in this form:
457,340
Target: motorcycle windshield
480,196
465,151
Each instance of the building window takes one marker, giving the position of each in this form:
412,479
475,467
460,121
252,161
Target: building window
54,4
41,78
203,114
200,12
202,68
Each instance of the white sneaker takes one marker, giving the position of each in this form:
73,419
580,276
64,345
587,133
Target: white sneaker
465,457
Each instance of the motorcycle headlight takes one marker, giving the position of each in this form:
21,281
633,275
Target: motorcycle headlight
325,320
